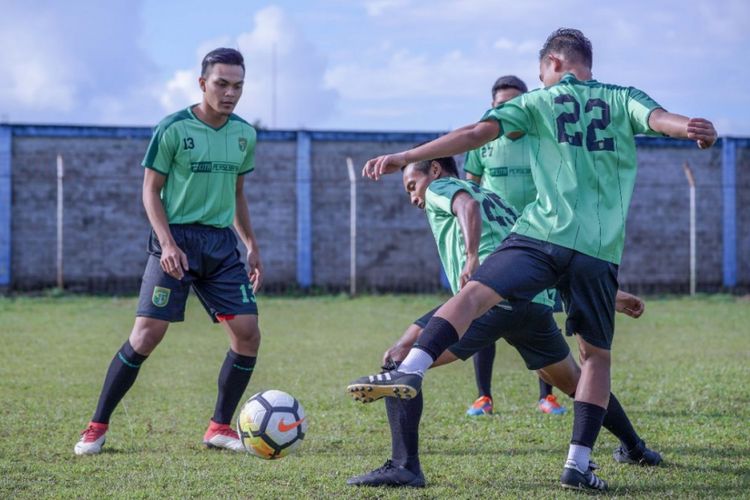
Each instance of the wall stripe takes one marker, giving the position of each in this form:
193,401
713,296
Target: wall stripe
304,210
6,191
729,188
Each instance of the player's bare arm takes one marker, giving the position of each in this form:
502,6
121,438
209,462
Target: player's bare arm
629,304
245,230
700,130
398,351
456,142
173,260
466,210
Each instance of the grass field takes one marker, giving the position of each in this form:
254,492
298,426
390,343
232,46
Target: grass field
682,371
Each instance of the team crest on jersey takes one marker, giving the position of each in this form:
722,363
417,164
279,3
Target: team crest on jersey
243,144
160,297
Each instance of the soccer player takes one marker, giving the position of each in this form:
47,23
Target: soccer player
502,166
193,190
467,222
583,161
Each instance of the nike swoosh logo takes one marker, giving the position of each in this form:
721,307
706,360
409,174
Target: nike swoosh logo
288,427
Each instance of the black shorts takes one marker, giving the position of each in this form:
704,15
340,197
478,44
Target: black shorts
530,328
521,267
215,272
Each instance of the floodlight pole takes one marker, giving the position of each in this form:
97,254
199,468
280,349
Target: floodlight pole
691,182
59,259
352,228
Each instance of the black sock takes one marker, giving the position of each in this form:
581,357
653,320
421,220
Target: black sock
545,389
618,423
120,377
403,417
587,421
436,337
233,378
483,361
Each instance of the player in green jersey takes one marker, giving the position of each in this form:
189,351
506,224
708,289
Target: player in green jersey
193,191
583,161
503,167
468,222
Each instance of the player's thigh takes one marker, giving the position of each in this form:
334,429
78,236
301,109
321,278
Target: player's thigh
243,328
147,334
161,296
227,293
519,269
538,339
589,290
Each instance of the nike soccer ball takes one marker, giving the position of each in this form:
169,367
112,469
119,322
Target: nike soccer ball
271,424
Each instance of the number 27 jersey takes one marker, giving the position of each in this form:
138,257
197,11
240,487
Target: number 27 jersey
583,161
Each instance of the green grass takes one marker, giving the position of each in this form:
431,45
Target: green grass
682,372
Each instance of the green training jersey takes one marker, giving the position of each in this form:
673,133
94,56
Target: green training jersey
583,160
201,164
504,167
497,220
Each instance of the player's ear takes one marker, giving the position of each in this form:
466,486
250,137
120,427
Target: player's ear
202,83
435,169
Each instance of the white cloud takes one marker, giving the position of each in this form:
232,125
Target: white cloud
302,99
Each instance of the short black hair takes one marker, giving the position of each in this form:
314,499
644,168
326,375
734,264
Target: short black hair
571,43
509,82
447,163
222,55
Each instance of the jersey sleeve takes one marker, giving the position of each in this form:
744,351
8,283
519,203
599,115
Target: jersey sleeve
640,106
511,116
440,194
472,163
248,165
160,152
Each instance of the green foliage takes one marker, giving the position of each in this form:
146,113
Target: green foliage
681,372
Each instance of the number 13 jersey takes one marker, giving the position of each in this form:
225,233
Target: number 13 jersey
583,161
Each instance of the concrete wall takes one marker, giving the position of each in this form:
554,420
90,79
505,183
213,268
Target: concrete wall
106,228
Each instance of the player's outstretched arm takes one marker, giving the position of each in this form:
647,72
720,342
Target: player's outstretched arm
699,130
458,141
629,304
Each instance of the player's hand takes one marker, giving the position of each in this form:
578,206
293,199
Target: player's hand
472,263
386,164
702,131
255,267
629,304
396,353
173,261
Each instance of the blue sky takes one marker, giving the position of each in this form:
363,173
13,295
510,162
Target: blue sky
358,65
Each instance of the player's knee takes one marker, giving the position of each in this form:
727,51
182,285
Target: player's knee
147,334
592,355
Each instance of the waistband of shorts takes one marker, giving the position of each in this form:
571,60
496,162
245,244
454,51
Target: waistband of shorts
197,227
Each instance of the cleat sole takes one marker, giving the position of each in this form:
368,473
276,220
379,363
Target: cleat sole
368,393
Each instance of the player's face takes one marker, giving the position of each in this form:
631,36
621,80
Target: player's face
222,87
504,95
415,183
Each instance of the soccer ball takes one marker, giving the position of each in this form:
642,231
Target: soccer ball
271,424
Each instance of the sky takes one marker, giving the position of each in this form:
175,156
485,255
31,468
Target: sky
369,65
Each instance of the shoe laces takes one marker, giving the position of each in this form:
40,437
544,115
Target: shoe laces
552,400
226,430
387,466
92,433
482,401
